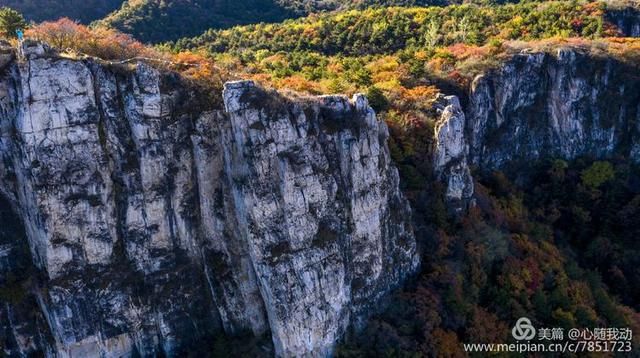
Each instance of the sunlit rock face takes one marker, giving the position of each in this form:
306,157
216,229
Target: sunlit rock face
560,104
153,218
318,202
451,153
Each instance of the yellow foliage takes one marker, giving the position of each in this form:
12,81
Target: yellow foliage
420,93
383,64
299,84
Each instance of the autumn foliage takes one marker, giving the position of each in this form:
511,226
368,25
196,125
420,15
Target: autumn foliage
104,43
79,40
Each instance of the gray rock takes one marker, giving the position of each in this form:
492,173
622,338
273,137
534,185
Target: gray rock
561,104
157,219
452,152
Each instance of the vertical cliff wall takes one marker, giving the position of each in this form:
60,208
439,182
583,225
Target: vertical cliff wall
626,19
318,201
155,219
564,103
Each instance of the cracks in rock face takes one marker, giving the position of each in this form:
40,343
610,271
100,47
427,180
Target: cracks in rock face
24,329
173,247
546,105
332,280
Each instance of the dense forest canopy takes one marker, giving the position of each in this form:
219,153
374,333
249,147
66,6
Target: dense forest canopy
557,250
387,30
162,20
397,49
154,21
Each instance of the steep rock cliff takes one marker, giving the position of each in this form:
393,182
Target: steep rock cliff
155,219
564,103
452,152
626,19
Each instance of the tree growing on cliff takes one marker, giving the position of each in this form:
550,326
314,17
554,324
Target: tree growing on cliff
10,21
377,99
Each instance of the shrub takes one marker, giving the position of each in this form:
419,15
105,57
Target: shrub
597,174
104,43
377,99
111,45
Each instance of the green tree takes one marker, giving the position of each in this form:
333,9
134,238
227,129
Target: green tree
377,99
10,21
597,174
432,36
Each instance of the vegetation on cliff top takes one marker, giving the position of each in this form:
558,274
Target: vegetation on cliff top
392,47
114,48
402,57
10,22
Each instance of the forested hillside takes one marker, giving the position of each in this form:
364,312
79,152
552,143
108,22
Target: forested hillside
82,10
156,21
397,49
386,30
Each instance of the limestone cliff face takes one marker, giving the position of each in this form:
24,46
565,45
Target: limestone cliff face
452,151
318,202
154,219
626,20
561,104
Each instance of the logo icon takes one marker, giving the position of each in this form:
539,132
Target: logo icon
523,330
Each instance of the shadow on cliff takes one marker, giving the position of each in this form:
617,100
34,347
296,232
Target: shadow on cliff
20,315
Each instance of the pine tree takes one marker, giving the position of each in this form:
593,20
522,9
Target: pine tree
10,22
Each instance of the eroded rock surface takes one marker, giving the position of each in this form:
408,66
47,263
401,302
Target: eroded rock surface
156,219
560,104
452,152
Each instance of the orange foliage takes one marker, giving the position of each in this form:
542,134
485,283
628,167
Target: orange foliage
463,51
107,44
263,78
419,93
593,9
335,67
104,43
447,344
196,66
387,71
439,65
299,84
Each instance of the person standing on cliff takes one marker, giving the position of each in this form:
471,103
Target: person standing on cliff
20,36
